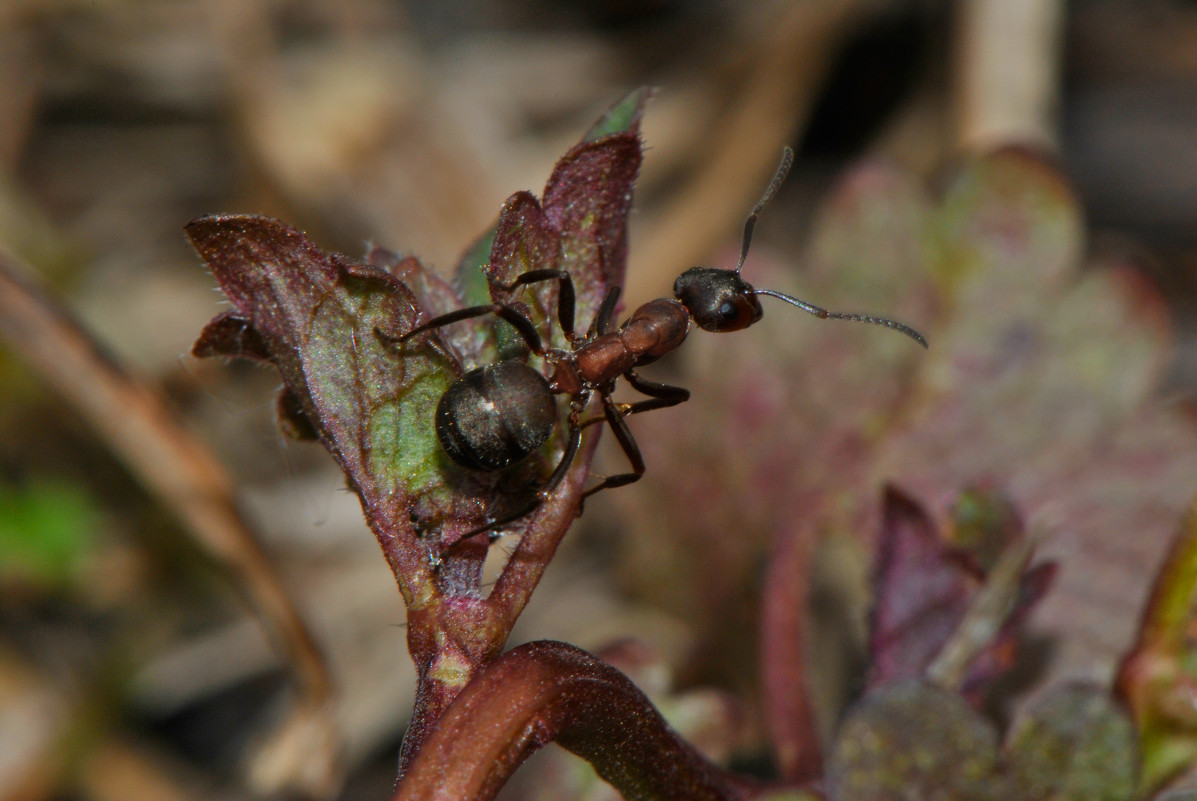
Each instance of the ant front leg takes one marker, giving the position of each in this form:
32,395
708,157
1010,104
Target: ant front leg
518,320
567,301
566,297
602,321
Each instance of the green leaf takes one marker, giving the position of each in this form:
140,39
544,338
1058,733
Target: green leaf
471,275
46,528
913,741
623,116
319,316
1158,679
1074,745
328,324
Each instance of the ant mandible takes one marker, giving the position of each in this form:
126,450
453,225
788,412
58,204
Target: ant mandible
495,416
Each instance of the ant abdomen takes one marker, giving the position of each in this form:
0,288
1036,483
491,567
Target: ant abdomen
494,416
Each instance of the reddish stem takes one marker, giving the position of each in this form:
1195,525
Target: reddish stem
546,691
784,635
535,550
452,638
450,641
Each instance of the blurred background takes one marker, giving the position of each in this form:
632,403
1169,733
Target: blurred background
131,664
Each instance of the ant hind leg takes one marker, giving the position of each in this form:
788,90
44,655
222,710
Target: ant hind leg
627,442
660,395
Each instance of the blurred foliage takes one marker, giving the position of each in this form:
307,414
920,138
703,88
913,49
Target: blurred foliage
47,527
1158,678
1042,381
408,123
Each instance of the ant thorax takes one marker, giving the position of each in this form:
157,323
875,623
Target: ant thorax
565,379
656,328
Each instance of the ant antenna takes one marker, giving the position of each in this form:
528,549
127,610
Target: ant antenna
783,169
824,314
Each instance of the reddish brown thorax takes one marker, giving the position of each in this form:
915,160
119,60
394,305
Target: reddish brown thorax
603,358
654,329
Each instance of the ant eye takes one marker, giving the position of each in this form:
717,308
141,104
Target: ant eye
736,312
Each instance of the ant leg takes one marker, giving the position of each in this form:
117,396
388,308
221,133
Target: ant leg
521,324
566,297
660,395
602,320
626,441
567,458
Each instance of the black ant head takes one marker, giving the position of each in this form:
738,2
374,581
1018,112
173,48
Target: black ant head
718,300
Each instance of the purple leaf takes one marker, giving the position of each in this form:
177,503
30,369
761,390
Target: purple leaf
317,316
587,199
920,593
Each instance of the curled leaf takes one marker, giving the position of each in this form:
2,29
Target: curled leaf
920,593
945,610
230,334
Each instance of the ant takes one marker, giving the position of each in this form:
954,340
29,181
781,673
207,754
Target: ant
495,416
